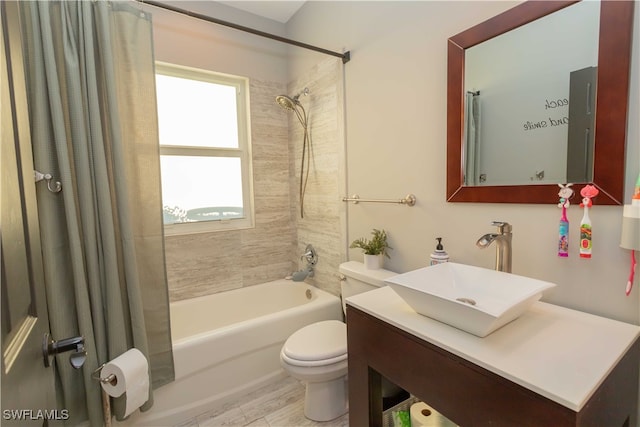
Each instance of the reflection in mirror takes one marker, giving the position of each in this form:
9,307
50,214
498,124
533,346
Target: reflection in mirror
525,93
537,106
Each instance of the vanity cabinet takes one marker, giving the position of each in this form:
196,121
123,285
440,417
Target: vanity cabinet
551,367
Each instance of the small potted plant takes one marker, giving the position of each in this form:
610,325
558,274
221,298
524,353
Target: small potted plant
374,250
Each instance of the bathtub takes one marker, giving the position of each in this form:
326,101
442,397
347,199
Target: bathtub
227,344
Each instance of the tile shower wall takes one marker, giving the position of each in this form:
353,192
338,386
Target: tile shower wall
206,263
324,221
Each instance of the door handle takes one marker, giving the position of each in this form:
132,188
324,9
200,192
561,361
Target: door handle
51,347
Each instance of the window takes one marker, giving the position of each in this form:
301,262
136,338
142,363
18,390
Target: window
204,150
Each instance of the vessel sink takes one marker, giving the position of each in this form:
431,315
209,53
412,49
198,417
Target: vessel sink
474,299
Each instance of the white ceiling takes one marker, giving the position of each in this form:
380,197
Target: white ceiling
280,10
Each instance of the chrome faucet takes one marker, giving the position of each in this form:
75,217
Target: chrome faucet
311,256
503,245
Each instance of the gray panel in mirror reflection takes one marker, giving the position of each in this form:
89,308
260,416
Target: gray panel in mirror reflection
581,138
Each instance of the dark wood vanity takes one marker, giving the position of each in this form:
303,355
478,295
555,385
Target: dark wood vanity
469,394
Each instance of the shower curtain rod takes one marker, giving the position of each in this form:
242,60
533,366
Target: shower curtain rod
345,56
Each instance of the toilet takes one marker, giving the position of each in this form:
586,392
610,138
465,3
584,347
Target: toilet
317,354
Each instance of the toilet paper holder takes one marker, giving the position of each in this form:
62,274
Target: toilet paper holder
111,378
106,404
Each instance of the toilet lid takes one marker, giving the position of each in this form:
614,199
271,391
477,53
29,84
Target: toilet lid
318,341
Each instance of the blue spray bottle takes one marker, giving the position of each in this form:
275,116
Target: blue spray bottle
565,194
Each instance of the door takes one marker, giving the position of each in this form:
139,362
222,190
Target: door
28,393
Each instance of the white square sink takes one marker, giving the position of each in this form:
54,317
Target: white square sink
474,299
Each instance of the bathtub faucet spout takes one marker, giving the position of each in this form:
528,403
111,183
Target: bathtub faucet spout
299,276
311,256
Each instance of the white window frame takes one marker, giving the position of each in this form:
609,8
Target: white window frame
243,152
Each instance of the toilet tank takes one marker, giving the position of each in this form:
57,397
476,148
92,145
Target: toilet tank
355,278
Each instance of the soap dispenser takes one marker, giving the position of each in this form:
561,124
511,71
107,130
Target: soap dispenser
439,255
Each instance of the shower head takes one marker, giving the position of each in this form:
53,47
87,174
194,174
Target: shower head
293,104
286,102
289,103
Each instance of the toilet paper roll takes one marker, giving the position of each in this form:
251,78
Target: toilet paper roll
423,415
131,376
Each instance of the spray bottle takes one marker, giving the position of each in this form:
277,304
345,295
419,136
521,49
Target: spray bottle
587,193
565,194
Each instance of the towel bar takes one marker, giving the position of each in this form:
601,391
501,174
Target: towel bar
409,200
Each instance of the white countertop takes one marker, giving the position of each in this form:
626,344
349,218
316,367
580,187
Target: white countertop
557,352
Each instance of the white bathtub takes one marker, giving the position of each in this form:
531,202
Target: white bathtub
227,344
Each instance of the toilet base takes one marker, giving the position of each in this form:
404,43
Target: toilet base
325,401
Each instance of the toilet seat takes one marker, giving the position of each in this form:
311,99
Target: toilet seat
319,344
312,363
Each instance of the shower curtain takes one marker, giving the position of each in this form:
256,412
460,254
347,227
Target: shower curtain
472,138
91,89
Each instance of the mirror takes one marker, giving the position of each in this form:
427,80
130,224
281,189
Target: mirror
613,60
530,97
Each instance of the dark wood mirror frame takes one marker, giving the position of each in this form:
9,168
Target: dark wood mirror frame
614,57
